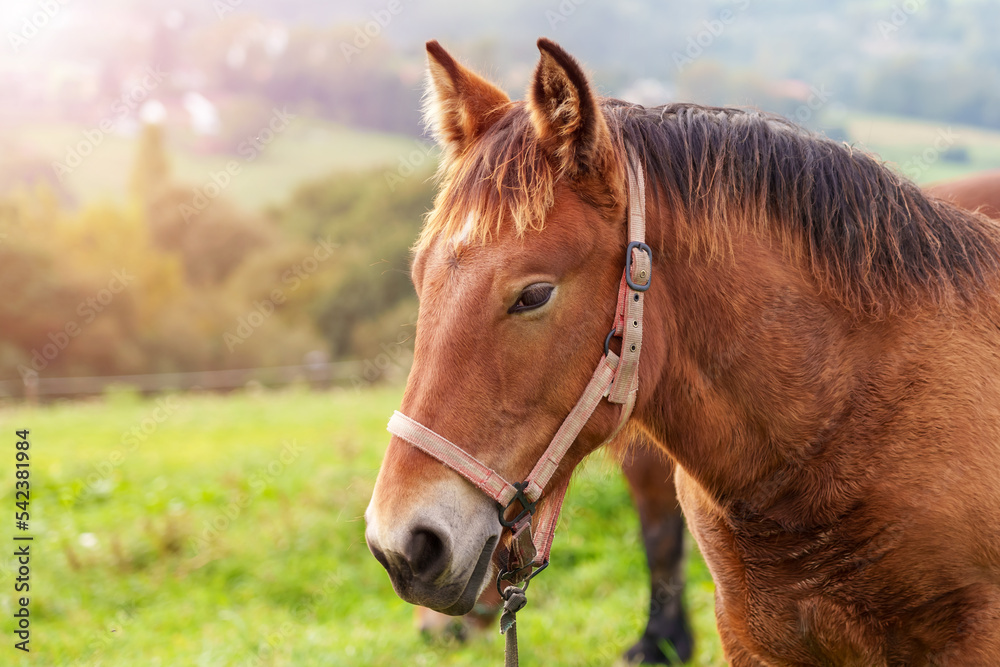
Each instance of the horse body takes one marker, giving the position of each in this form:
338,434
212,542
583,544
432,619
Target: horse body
860,539
836,469
977,192
821,362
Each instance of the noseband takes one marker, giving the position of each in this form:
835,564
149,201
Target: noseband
616,378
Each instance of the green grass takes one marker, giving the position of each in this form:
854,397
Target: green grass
127,572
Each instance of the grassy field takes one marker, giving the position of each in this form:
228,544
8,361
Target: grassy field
227,530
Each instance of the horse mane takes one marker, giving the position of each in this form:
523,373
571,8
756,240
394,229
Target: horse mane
871,237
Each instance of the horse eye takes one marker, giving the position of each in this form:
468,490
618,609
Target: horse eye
532,296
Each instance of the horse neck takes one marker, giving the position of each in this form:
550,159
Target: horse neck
753,369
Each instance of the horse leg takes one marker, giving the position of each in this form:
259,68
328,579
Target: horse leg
650,477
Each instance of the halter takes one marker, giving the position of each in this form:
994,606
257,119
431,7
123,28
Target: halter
616,378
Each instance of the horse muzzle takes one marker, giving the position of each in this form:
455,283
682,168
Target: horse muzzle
440,557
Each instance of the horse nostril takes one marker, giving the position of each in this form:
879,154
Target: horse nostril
426,553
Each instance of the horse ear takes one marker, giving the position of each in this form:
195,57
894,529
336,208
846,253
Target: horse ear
565,112
460,105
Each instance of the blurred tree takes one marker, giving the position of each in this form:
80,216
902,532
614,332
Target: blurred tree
370,297
151,171
212,243
91,293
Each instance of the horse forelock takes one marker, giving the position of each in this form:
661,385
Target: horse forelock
503,179
506,180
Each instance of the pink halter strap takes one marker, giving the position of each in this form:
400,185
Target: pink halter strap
615,378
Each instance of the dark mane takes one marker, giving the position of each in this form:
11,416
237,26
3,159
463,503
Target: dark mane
871,237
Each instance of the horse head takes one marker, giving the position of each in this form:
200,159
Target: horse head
517,271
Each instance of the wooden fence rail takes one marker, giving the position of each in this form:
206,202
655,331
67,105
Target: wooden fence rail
321,374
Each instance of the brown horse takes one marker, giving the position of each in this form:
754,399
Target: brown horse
976,192
650,480
822,365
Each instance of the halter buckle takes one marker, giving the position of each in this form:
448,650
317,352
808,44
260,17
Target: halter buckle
628,266
607,340
528,507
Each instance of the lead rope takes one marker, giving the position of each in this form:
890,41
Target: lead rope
514,601
521,558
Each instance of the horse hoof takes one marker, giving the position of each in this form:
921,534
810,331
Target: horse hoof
648,651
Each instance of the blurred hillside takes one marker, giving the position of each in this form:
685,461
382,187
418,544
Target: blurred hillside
360,62
80,81
235,184
171,282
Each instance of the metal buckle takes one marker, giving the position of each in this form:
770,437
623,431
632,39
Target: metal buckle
528,507
607,340
512,576
628,280
628,265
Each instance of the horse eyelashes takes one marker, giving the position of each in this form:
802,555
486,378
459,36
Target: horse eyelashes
533,296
